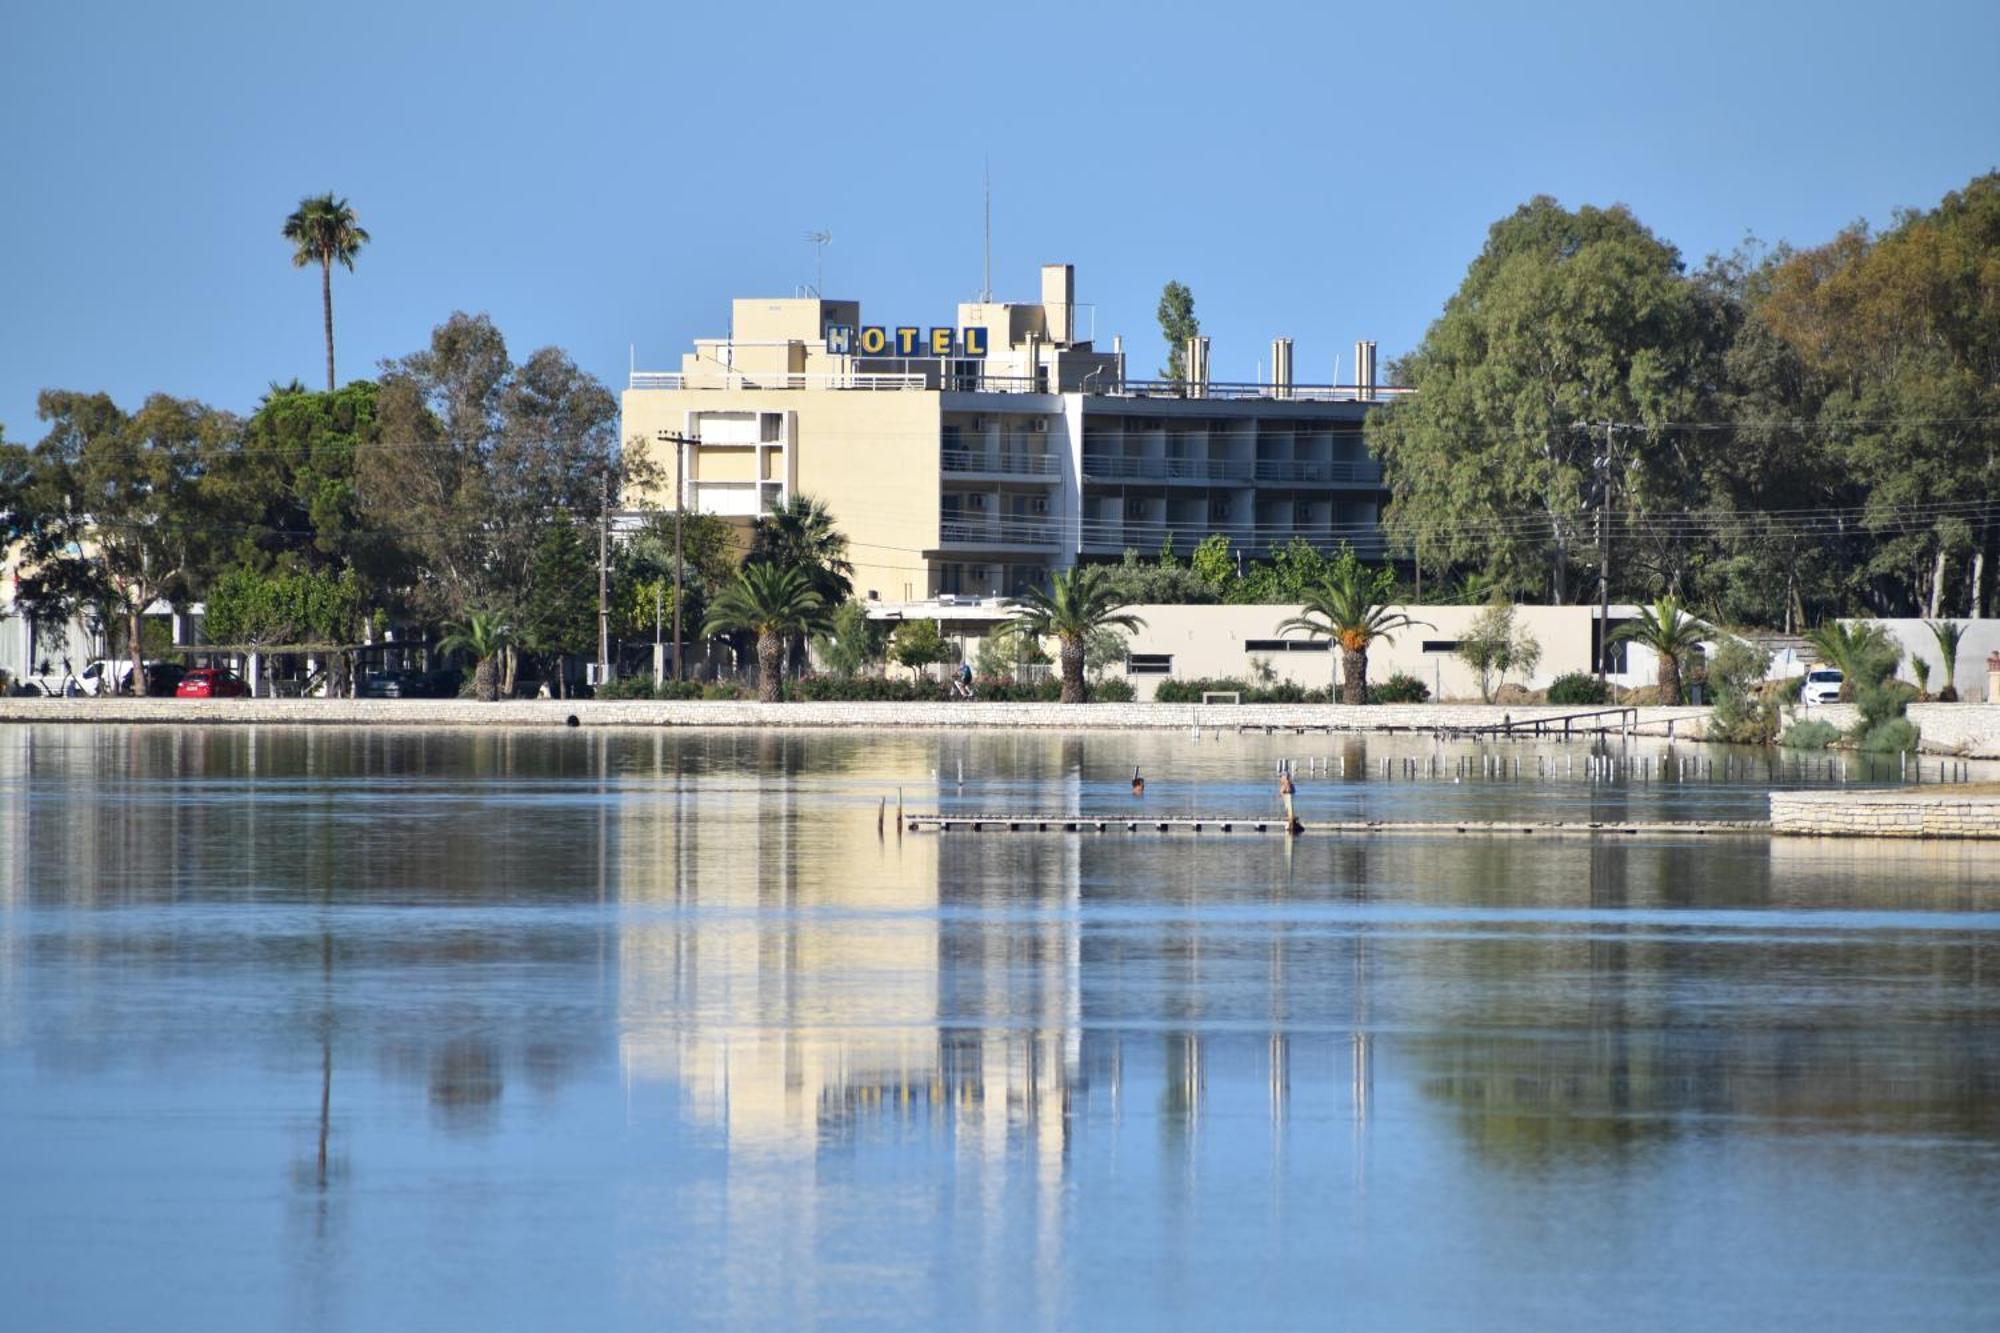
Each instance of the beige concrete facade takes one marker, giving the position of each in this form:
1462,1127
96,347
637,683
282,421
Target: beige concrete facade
1020,448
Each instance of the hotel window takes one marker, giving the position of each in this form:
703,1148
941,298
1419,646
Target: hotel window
1149,664
1287,645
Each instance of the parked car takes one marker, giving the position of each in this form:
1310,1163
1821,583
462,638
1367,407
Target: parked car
392,685
98,677
211,683
1822,686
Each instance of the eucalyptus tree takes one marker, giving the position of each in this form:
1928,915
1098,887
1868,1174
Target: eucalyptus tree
323,230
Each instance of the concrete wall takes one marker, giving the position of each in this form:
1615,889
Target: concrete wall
1209,641
1981,638
1886,815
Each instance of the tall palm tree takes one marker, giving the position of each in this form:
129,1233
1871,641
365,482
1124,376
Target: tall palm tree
799,533
1863,652
1672,633
1949,634
772,602
322,231
1343,608
1078,603
485,636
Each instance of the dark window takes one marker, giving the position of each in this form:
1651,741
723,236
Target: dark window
1440,645
1149,664
1286,645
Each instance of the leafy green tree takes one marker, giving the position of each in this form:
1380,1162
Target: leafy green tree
1949,635
852,642
1902,329
1671,633
1177,325
1289,576
642,573
1006,652
919,644
1564,321
771,602
485,637
1077,603
125,521
1212,563
474,457
246,607
1494,645
323,231
1347,608
1746,712
1136,581
558,608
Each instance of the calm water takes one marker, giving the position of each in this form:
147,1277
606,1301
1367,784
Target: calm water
399,1030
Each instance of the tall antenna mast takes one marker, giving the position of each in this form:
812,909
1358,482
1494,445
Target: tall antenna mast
986,279
819,240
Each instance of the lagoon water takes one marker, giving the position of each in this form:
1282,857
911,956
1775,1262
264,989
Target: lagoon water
398,1029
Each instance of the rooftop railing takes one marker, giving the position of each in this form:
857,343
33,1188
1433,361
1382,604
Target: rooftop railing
951,377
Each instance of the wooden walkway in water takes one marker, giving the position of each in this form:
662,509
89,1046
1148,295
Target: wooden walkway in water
1232,824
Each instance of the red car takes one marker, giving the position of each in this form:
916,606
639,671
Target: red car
211,683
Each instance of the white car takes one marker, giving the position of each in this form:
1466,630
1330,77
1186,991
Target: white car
1822,686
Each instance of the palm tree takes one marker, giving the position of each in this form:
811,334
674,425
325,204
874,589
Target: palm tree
485,636
1343,608
799,533
322,231
1672,633
1863,653
771,602
1949,634
1079,602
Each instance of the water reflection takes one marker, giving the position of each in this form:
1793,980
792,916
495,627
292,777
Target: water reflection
681,991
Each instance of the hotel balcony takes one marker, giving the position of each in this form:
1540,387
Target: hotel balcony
1001,461
1204,471
979,530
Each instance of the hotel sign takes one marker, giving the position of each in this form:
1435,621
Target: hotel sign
907,341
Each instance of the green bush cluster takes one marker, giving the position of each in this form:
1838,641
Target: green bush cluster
1579,687
1400,688
1746,708
642,687
1279,692
1811,734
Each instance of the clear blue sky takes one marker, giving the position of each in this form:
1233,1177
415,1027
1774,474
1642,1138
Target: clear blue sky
601,177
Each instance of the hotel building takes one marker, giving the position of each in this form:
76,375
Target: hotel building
970,461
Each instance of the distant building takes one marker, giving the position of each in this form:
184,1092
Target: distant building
971,460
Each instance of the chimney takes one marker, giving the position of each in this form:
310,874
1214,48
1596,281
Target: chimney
1281,367
1364,371
1196,367
1058,300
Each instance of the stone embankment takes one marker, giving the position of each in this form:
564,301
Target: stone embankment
1967,730
1941,813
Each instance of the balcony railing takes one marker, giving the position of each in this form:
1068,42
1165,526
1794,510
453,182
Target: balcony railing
1002,531
1353,472
1001,461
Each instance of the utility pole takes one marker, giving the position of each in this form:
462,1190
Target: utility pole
1604,554
604,580
680,443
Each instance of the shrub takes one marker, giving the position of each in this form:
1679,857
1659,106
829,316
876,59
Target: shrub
1578,687
1812,734
627,687
1283,692
1400,688
1746,709
1891,737
1106,691
1883,728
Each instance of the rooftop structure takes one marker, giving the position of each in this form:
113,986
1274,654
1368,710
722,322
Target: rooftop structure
973,459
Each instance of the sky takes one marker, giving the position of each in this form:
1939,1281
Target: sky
605,178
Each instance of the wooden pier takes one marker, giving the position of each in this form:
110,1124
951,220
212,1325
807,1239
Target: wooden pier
1275,823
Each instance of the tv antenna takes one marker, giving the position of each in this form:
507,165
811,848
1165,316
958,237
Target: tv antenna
819,240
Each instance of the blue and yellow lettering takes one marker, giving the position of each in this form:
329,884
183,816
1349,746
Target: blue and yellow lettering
839,340
874,340
940,342
972,341
906,340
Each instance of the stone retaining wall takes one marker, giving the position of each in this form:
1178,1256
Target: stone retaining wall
1969,730
1885,814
